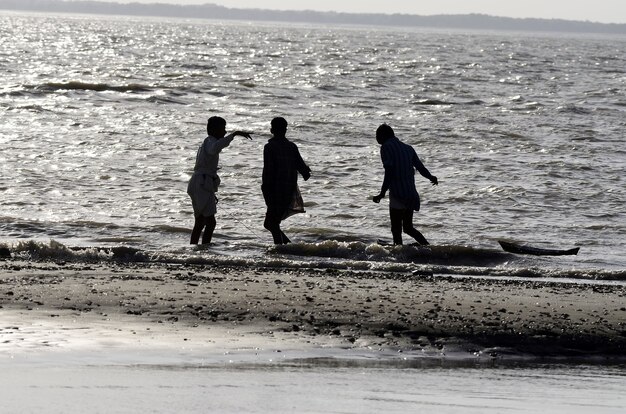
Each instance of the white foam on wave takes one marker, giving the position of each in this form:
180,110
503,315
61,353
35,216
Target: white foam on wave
453,261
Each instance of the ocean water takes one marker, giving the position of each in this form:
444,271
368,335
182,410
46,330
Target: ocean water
310,388
102,117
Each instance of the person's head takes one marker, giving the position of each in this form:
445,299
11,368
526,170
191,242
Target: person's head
279,127
216,127
383,133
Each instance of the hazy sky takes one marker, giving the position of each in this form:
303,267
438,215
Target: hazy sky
606,11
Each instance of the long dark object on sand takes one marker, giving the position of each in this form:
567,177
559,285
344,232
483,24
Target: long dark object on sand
520,249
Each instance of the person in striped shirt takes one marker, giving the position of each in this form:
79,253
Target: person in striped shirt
400,162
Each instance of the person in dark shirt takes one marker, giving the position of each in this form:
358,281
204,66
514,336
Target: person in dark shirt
281,164
400,162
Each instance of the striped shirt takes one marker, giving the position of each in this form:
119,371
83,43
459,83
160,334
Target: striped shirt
400,162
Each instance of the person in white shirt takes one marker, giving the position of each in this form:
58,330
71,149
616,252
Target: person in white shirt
204,182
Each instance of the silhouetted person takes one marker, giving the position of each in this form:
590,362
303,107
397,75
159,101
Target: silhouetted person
400,162
281,164
204,183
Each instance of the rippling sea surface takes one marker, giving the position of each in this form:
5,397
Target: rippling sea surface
102,117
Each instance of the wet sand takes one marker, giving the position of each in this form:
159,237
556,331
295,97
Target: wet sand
151,305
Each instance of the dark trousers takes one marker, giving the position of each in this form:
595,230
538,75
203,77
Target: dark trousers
402,220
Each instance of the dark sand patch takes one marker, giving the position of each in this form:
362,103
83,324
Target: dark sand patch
353,309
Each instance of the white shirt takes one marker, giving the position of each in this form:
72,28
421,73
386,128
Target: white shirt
208,155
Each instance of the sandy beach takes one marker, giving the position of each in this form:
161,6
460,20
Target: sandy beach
151,305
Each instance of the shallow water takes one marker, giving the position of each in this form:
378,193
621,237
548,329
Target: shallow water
102,117
334,386
58,365
101,120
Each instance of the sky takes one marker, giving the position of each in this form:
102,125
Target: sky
603,11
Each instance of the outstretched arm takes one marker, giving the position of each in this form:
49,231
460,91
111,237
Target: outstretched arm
241,134
215,146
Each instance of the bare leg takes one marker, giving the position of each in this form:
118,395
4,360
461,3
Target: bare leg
407,226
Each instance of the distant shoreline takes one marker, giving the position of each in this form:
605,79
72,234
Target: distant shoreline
212,11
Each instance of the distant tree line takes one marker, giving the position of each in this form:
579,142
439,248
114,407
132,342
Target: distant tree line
212,11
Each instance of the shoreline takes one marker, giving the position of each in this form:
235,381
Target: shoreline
149,305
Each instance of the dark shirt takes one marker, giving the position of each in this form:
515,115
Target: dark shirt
400,162
281,164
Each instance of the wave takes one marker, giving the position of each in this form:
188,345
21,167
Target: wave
433,102
85,86
448,255
164,100
32,108
573,109
412,262
166,228
438,102
474,102
11,225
